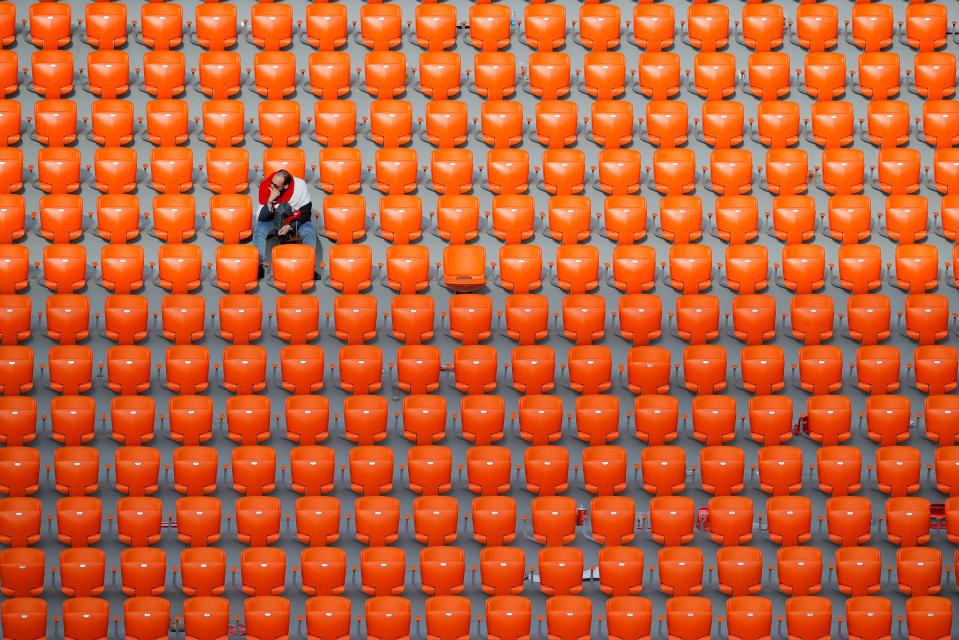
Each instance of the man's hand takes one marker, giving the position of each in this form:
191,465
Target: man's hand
274,193
285,229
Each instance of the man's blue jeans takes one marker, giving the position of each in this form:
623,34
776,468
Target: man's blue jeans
262,230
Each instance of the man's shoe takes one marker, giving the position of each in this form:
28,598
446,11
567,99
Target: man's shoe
260,271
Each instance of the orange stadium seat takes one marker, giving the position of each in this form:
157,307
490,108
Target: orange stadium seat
435,27
440,74
872,28
549,76
160,27
49,26
544,28
599,27
214,28
706,28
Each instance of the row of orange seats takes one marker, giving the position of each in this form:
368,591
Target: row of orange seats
501,124
637,318
620,172
739,571
387,74
383,572
662,469
407,269
565,617
396,171
501,571
552,521
512,219
490,26
411,319
538,419
64,269
819,370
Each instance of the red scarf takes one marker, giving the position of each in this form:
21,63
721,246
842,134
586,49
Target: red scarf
265,190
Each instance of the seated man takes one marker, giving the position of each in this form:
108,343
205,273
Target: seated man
285,210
